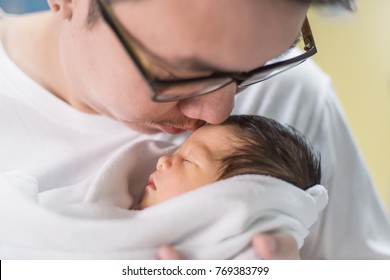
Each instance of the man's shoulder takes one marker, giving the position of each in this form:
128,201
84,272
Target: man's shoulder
298,88
300,97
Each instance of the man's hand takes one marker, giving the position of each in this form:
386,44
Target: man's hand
268,246
168,253
275,246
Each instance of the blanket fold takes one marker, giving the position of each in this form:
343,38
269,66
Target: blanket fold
92,220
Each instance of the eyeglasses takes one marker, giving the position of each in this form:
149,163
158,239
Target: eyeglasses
175,90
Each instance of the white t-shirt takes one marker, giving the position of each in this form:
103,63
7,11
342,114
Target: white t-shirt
43,136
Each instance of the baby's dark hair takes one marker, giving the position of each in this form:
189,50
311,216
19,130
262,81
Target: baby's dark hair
267,147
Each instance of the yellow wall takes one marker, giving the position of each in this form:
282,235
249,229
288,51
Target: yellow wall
355,51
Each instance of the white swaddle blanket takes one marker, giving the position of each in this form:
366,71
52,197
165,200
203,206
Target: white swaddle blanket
91,220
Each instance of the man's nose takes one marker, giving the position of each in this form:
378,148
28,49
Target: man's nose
163,162
214,107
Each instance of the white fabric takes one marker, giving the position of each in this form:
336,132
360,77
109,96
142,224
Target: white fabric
224,215
42,136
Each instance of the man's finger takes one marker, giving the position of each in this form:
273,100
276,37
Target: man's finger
168,253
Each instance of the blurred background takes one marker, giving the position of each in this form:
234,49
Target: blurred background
22,6
355,50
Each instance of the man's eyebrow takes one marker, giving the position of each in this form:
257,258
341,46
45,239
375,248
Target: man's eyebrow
197,64
191,63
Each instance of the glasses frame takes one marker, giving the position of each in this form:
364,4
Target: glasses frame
128,44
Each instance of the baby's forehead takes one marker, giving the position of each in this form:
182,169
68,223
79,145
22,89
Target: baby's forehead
211,134
214,129
214,138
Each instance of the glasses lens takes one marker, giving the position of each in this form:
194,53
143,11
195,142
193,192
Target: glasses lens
266,74
171,91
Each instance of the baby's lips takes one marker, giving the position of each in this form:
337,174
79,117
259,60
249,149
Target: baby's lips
151,182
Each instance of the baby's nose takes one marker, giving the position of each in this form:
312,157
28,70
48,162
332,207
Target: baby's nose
163,162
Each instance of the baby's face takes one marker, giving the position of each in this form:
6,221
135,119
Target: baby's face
194,164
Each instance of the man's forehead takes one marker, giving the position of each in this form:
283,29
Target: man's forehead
208,35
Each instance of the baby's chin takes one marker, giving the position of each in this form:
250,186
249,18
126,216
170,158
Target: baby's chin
146,201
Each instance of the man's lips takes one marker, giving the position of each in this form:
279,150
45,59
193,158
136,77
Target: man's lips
172,130
180,129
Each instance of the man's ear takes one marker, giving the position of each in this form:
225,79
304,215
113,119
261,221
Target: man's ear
63,8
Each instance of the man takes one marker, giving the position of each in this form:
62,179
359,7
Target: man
170,66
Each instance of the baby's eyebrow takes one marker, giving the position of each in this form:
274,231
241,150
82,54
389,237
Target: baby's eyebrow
207,153
181,151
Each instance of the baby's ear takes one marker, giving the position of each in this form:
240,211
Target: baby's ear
63,8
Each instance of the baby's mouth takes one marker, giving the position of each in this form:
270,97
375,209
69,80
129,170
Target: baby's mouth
151,183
